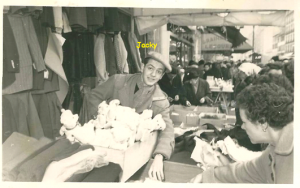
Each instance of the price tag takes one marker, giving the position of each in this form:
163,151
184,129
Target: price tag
46,74
13,64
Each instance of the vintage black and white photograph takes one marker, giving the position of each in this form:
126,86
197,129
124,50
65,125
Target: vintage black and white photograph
137,94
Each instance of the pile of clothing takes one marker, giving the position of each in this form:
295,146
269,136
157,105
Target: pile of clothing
117,127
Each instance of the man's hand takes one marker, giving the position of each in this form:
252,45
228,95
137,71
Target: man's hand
176,97
202,100
188,103
156,170
197,179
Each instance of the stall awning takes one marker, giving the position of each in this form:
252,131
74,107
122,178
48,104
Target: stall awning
215,43
149,19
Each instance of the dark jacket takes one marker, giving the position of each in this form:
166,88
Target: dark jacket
187,93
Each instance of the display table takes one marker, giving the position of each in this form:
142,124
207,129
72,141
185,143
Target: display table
221,94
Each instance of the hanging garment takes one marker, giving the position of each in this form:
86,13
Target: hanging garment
133,51
123,52
25,115
114,20
50,78
95,18
41,33
47,17
110,56
33,44
24,77
130,60
99,56
142,39
53,59
49,110
36,54
73,99
10,167
38,79
11,63
118,54
78,18
9,125
79,56
33,170
66,25
58,18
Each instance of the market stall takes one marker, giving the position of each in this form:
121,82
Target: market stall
58,60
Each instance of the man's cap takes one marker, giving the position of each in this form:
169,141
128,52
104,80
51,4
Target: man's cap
160,58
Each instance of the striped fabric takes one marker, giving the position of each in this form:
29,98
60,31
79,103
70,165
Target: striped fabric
24,79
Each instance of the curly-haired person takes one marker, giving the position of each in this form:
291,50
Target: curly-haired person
267,114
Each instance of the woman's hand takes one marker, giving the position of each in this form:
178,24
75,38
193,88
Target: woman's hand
197,179
156,171
176,97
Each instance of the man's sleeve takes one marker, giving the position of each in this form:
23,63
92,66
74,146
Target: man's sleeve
95,97
165,142
182,95
239,172
208,91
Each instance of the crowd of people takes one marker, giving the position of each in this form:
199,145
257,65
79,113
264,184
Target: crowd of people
188,86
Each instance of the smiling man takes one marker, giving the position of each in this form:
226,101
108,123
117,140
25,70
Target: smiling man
140,91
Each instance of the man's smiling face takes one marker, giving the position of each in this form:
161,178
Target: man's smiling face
153,72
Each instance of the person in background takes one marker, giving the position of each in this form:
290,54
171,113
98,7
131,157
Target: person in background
267,114
177,85
224,70
195,91
207,70
192,66
216,70
140,91
273,68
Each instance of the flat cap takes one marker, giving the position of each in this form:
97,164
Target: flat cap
160,58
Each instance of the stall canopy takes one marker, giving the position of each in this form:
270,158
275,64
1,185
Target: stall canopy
148,19
215,43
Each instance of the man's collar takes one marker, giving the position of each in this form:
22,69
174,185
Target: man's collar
286,140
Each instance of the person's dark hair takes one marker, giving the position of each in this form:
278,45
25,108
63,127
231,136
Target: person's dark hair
201,62
279,80
191,62
267,103
270,66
